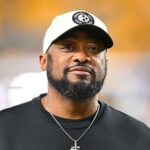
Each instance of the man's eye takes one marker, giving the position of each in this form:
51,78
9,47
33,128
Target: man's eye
67,47
93,49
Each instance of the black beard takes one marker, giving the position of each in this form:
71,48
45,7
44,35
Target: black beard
79,91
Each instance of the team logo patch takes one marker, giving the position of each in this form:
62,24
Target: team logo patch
82,18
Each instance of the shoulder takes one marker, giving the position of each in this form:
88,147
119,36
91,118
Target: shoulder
123,122
13,119
121,127
18,112
23,116
14,112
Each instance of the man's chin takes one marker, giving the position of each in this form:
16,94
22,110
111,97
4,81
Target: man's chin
79,79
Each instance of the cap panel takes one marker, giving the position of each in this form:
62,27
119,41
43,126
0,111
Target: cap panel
63,23
59,25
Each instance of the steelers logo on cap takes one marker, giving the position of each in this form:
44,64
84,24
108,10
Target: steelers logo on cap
82,18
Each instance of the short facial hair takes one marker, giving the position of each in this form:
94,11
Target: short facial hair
79,91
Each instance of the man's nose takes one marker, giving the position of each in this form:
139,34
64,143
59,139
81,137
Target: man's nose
81,56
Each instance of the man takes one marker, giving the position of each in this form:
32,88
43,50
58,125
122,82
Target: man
70,116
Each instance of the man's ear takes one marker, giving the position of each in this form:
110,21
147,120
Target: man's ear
43,61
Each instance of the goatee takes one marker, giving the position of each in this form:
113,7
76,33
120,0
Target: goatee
78,91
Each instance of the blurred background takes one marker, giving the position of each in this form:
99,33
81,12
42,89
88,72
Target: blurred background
22,27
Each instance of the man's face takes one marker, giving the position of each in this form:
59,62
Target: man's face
77,65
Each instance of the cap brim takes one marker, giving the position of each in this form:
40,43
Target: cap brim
100,34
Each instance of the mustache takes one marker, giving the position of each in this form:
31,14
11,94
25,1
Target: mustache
92,71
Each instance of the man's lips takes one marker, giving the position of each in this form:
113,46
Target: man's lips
81,70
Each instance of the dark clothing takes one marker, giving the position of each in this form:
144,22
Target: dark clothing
30,127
